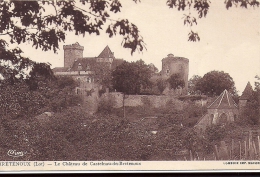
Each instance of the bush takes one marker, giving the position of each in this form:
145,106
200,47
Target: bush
105,105
215,133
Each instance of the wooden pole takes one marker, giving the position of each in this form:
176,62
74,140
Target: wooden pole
258,145
216,152
191,158
240,151
232,149
254,150
245,151
197,155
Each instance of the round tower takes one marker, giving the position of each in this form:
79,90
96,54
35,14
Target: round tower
176,65
71,53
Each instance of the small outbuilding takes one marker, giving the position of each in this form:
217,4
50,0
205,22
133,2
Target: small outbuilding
221,111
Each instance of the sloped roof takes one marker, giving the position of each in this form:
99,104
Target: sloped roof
247,92
106,53
224,101
89,64
85,63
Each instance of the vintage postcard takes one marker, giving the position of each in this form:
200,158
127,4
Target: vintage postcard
129,85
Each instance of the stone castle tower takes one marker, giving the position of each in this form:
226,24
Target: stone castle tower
176,65
71,53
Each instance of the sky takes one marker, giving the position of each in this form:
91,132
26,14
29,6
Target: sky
230,40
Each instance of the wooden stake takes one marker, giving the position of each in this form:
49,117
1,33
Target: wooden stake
198,155
191,155
258,144
232,148
240,158
216,152
245,151
254,150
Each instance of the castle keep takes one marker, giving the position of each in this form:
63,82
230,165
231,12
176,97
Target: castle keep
176,65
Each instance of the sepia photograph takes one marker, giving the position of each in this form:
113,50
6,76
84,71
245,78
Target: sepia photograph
118,85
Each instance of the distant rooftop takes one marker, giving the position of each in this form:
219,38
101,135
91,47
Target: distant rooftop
106,53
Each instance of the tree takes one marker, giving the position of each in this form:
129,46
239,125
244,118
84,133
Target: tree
251,111
161,84
192,85
215,82
176,81
131,78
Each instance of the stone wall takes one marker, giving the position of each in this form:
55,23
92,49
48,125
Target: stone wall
140,100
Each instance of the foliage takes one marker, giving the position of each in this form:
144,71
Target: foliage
214,83
251,111
192,113
192,85
161,84
61,93
18,101
215,133
176,81
106,104
131,78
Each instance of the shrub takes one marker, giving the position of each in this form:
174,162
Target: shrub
215,133
105,105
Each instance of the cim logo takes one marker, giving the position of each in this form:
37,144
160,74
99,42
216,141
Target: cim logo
14,153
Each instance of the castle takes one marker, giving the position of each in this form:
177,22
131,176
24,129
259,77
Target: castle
89,71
